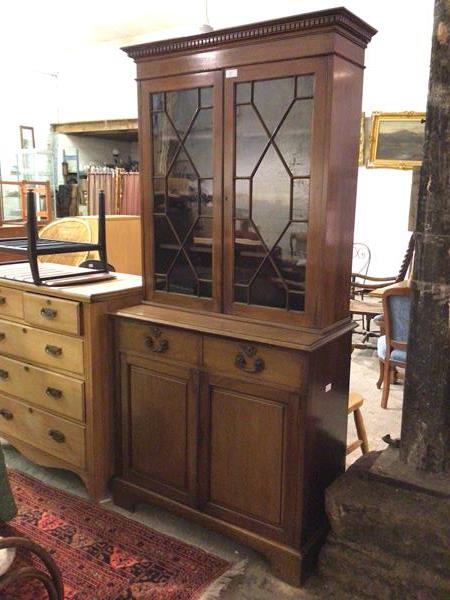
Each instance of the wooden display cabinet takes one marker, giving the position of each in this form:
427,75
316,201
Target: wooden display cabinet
234,370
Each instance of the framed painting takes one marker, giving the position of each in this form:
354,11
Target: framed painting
26,137
396,140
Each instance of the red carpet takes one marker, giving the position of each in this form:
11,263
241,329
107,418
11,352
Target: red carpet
104,556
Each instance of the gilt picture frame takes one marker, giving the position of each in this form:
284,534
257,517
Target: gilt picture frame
396,140
361,140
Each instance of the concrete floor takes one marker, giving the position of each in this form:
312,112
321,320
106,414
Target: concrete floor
256,583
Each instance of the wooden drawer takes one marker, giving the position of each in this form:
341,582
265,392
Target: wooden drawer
253,362
49,433
11,303
52,313
152,340
44,347
46,389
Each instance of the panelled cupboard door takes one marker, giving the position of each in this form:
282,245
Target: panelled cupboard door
159,427
275,126
181,141
249,454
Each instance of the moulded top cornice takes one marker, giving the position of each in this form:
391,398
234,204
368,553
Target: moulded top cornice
340,18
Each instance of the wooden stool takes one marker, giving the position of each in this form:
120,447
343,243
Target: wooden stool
355,401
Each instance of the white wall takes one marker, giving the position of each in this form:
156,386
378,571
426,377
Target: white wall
93,150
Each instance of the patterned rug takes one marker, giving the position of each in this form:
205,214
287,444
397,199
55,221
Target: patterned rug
104,556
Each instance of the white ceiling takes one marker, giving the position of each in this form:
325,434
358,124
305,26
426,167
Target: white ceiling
45,28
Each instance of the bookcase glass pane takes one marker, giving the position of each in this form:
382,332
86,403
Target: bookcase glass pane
272,191
182,175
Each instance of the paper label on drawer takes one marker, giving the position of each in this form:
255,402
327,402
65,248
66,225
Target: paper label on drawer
230,73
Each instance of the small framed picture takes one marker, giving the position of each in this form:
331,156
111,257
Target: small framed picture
396,140
26,137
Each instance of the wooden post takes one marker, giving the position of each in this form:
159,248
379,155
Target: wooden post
425,436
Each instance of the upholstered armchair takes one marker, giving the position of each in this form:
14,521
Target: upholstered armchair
392,347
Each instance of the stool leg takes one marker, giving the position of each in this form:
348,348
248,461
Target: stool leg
361,430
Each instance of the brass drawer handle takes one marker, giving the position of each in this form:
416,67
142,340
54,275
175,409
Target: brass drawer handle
155,343
247,357
2,300
6,414
57,436
54,393
53,350
48,313
4,374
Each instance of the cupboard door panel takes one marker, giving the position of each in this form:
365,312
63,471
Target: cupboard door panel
159,428
247,439
158,420
250,455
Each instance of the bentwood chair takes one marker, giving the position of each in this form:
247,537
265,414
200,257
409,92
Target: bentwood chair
392,346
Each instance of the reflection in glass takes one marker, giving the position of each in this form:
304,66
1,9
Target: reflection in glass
181,106
243,93
300,199
242,198
165,143
182,278
271,197
198,143
294,138
248,251
206,197
305,86
10,201
251,139
159,194
272,190
183,191
206,97
272,98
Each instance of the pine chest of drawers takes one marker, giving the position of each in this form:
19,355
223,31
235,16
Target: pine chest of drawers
55,379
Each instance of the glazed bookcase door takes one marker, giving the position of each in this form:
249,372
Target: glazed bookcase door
181,148
274,139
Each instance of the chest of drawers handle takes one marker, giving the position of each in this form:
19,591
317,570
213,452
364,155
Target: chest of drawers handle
57,436
154,341
2,300
53,393
48,313
6,414
2,336
248,357
53,350
4,374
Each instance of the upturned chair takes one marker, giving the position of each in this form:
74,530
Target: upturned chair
392,346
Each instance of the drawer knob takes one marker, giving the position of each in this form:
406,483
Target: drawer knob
57,436
247,361
2,300
155,342
53,393
53,350
2,336
6,414
48,313
4,374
